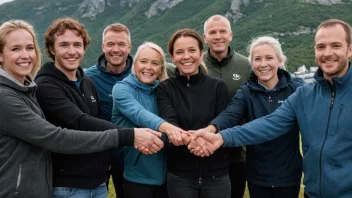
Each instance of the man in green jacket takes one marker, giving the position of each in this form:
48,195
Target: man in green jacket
223,62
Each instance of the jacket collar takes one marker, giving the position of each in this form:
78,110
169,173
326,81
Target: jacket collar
49,69
132,80
9,81
215,61
284,79
194,79
341,82
102,65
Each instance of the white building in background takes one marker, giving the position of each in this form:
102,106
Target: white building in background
306,75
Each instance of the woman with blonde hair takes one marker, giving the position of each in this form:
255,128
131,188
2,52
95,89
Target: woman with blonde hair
25,136
134,105
273,168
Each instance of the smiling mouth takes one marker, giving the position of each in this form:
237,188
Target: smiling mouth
147,74
23,64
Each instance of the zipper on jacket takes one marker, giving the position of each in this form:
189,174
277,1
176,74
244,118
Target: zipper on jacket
269,99
338,118
19,177
324,141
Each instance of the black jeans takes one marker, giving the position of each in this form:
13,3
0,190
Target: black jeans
116,171
190,187
256,191
237,173
136,190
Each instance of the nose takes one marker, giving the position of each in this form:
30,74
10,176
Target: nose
115,48
186,55
24,54
148,65
71,49
327,51
217,35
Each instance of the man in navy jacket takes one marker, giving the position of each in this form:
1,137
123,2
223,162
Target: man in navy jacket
322,111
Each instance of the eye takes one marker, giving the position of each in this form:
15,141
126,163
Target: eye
320,46
78,44
223,31
15,49
155,63
336,45
143,61
122,44
179,52
30,48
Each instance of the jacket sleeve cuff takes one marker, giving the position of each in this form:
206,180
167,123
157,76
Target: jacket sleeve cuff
226,136
126,137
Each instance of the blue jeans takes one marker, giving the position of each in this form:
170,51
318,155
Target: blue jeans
99,192
180,186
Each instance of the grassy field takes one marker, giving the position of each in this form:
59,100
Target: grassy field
246,195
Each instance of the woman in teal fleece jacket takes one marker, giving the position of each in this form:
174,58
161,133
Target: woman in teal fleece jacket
134,104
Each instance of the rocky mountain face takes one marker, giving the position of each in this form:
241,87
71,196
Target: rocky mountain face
292,21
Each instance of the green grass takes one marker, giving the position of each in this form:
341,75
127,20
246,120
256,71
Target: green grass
246,194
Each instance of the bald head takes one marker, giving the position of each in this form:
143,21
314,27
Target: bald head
216,18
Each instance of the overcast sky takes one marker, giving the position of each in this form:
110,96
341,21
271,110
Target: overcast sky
4,1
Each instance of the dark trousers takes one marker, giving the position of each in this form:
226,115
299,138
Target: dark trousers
190,187
117,156
237,173
136,190
256,191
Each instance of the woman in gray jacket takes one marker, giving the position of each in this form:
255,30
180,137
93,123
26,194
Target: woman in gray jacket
25,137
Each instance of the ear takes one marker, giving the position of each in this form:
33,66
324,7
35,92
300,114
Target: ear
52,51
231,35
102,47
349,51
129,47
205,38
1,58
172,58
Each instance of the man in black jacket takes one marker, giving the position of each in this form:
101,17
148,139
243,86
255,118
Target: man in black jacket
69,99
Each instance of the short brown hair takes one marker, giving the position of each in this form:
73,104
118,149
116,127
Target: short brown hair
59,27
117,27
186,33
345,26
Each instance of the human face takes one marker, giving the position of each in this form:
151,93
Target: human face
331,51
187,55
218,36
148,65
116,48
265,64
18,56
68,51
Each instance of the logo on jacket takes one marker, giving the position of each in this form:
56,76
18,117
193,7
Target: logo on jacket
280,101
93,99
236,76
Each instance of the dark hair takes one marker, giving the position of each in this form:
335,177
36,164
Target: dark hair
186,33
345,26
59,27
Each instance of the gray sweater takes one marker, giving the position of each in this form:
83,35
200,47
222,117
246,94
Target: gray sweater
26,139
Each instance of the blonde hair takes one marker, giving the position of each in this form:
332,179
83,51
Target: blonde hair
117,27
163,75
10,26
267,40
216,18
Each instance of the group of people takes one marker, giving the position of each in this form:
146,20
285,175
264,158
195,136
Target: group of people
160,129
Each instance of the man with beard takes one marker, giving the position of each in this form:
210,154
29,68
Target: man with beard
321,109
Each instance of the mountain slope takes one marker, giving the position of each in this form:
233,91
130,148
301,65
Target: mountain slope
292,21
